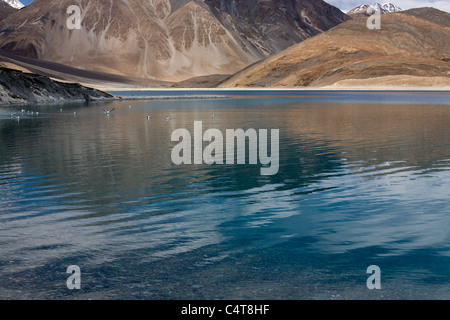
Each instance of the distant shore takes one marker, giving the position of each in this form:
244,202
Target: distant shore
170,97
328,88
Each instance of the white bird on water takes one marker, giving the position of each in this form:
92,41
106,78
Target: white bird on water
167,118
109,111
213,115
149,117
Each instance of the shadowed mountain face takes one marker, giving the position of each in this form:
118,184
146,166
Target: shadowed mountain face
273,25
164,39
412,49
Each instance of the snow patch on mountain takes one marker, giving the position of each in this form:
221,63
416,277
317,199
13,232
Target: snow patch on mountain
383,8
14,3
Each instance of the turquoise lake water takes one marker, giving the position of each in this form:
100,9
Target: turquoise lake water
363,180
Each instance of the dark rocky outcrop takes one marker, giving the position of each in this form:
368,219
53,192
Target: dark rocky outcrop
17,87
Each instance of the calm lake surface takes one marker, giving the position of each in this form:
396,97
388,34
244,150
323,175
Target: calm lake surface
363,180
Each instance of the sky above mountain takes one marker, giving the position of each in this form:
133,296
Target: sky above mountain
346,5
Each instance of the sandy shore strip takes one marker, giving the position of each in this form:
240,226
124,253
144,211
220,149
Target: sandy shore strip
336,87
395,83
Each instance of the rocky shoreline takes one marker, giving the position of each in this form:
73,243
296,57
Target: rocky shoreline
17,87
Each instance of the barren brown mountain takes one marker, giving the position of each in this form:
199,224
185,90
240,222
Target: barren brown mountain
170,40
411,49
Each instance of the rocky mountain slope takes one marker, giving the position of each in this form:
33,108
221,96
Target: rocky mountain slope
170,40
412,48
19,88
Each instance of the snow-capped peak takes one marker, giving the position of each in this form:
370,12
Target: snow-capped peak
14,3
389,7
383,8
